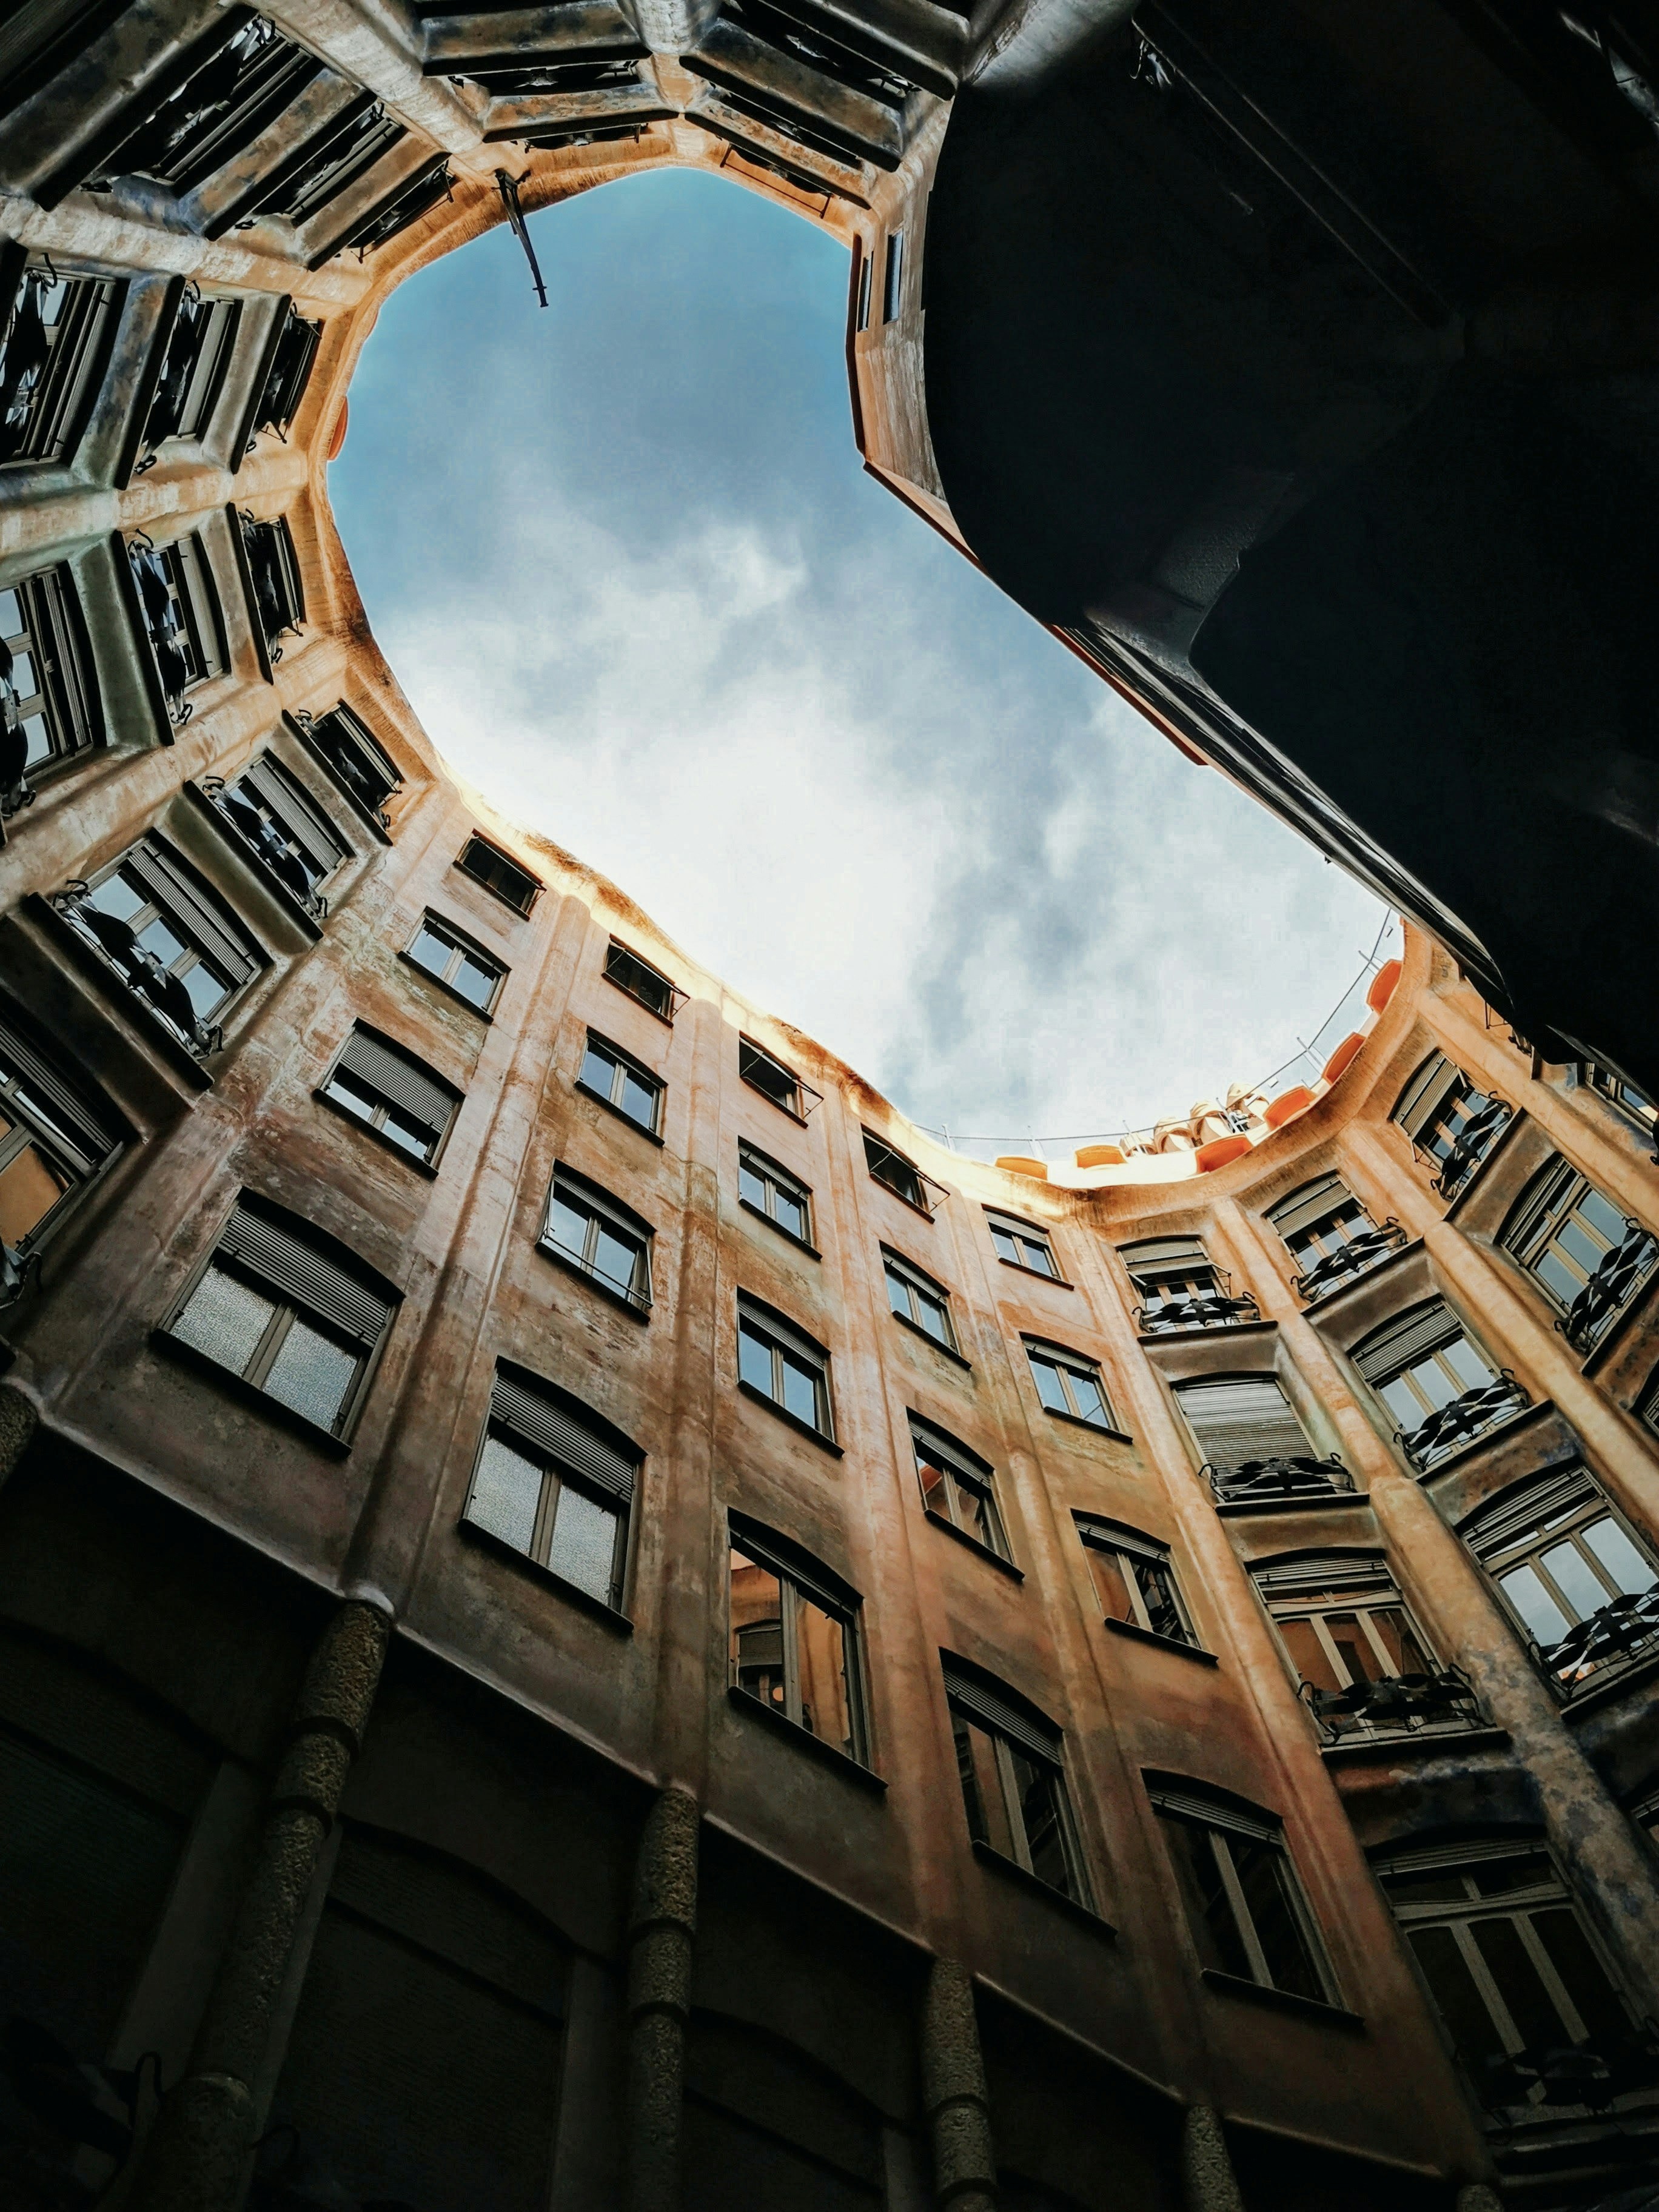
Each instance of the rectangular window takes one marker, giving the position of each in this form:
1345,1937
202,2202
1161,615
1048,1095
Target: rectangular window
642,982
276,1308
1510,1965
1589,1259
794,1643
918,1299
50,1145
1244,1905
1133,1579
1634,1104
1022,1244
610,1076
1009,1762
432,182
1583,1589
455,961
555,1483
892,283
902,1176
1330,1236
355,758
273,579
513,885
783,1365
391,1091
288,371
168,937
49,709
1364,1667
768,1075
866,285
1438,1388
1181,1288
958,1488
593,1231
245,78
1243,1421
193,364
344,149
1449,1123
57,336
181,614
1069,1384
287,832
784,1199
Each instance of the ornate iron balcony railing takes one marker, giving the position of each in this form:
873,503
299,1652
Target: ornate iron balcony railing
1371,1245
255,832
1203,1310
1473,1141
1622,1272
1588,2074
1611,1639
139,969
1254,1480
1455,1423
1395,1706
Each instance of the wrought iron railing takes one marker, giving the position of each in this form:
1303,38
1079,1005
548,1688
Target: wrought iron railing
139,969
1467,1416
1201,1309
1588,2075
1255,1479
278,601
266,843
1395,1706
1473,1143
1372,1244
1623,1270
1603,1644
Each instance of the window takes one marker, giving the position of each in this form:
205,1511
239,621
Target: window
346,147
168,937
57,335
49,709
555,1483
770,1189
774,1081
391,1091
349,750
1581,1587
279,1305
455,961
1589,1259
430,183
1364,1667
1242,1420
274,815
193,372
892,283
918,1299
1450,1121
50,1144
1243,1903
180,616
1440,1390
642,982
1022,1245
958,1488
1181,1287
1009,1761
594,1232
1510,1967
902,1176
794,1640
1329,1235
782,1365
272,575
1133,1579
238,85
294,346
1634,1104
866,285
609,1075
1069,1384
511,884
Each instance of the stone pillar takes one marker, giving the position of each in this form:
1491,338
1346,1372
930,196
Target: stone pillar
196,2155
661,1929
1206,2167
1476,2196
954,2093
18,1423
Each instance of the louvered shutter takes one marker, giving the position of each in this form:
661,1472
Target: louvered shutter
543,1424
1021,1725
1110,1535
1493,1527
298,1270
1187,1805
1427,1092
1406,1339
1315,1201
954,1455
774,1325
211,926
1323,1570
1245,1418
60,1105
1164,1255
400,1081
297,811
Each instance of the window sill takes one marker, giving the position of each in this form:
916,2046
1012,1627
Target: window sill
1238,1508
1319,2009
257,1400
794,1420
789,1234
448,989
1094,1428
639,1313
487,1540
1140,1635
804,1740
1012,1870
1035,1273
426,1168
980,1551
916,1329
627,1119
667,1020
500,897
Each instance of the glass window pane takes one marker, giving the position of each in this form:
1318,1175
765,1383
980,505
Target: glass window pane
1043,1815
789,1213
758,1631
1577,1580
313,1373
1437,1382
938,1491
1050,1389
1544,1619
431,951
755,1359
1592,1995
968,1774
821,1645
800,1389
1111,1584
30,1186
156,937
1353,1653
1309,1656
1553,1272
1403,1403
473,980
506,1492
615,1257
116,895
1503,1877
567,1226
1613,1548
1604,1218
1006,1247
931,1314
1519,1982
978,1514
1399,1639
1157,1595
412,1135
988,1819
208,991
599,1071
639,1100
1457,1997
1264,1876
898,1295
224,1318
1466,1364
584,1543
344,1090
752,1186
1090,1402
1209,1915
1579,1247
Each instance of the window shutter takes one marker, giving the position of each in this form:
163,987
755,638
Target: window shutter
1493,1527
1245,1418
1020,1723
544,1424
301,1272
211,925
1322,1570
294,806
1315,1201
1164,1255
1109,1535
1404,1340
956,1456
1547,1190
60,1104
1427,1092
400,1081
1187,1805
774,1325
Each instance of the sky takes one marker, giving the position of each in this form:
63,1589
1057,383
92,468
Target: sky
626,563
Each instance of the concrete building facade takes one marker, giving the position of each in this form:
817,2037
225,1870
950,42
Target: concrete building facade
591,1618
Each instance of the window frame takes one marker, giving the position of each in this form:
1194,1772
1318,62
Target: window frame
202,334
802,1580
999,1222
920,1289
477,840
66,698
334,737
892,277
1633,1106
56,416
625,1063
1198,1809
1067,1362
462,947
1098,1534
773,1175
782,1339
962,1469
189,626
374,1122
1013,1728
877,1152
78,1146
554,1433
1551,1203
747,1052
295,818
619,956
583,1196
1193,1386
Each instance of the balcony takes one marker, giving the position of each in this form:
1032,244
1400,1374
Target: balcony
1622,1272
1199,1310
1372,1245
1585,2076
1288,1481
1473,1141
266,843
139,969
1396,1706
1612,1641
1455,1423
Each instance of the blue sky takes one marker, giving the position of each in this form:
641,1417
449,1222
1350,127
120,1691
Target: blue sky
627,565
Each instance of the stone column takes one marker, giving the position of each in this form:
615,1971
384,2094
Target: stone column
196,2157
954,2093
18,1422
1206,2167
661,1929
1476,2196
